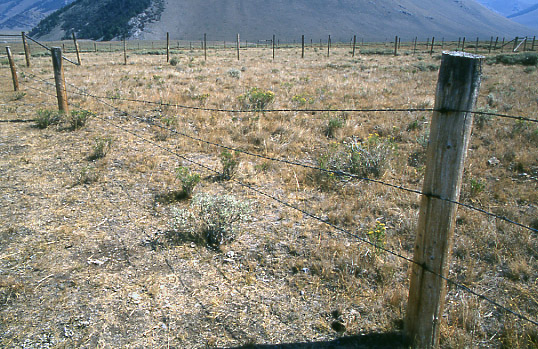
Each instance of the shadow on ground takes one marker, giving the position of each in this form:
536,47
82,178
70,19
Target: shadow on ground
372,340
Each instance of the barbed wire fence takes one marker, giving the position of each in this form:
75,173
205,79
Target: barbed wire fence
103,100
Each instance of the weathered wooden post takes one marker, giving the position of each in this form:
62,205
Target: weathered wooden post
396,45
205,46
516,42
167,47
476,46
457,90
459,42
354,45
94,47
124,51
496,43
26,49
329,46
525,44
463,45
76,48
502,46
273,46
13,69
61,92
433,41
399,43
238,46
302,46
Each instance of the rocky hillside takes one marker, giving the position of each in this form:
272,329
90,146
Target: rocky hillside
260,19
23,15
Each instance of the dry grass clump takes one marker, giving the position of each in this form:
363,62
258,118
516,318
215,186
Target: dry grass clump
89,258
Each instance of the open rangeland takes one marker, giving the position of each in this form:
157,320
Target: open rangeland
104,214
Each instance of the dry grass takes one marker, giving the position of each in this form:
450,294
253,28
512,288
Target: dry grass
84,256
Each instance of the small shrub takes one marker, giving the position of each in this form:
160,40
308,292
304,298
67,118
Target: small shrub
188,180
213,219
18,96
174,61
78,118
476,187
234,73
88,175
333,125
256,99
46,118
526,59
370,157
230,164
100,148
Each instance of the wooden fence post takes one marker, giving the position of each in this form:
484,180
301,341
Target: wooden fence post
302,45
26,49
273,42
433,41
496,43
76,48
167,47
525,44
329,46
443,44
516,41
61,92
13,69
457,90
459,42
124,51
463,45
238,46
396,45
95,47
205,46
502,46
354,45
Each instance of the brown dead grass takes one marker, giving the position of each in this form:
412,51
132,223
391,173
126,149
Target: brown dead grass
87,263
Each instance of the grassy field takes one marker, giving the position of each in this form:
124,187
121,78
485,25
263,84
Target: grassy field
99,248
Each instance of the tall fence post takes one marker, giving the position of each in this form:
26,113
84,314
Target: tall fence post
167,47
450,132
329,46
13,69
124,51
26,49
396,45
433,41
205,46
238,46
354,45
273,42
496,43
302,46
61,92
516,42
463,45
76,48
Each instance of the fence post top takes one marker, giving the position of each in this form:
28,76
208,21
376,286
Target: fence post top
462,54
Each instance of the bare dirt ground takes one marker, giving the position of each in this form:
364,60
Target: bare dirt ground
85,254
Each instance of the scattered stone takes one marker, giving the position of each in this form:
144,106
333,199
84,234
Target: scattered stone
493,161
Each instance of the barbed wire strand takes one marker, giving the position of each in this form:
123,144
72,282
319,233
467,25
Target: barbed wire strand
315,217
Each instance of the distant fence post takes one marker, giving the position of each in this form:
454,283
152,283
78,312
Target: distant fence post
496,43
205,46
476,46
274,38
396,45
61,92
329,46
433,41
502,46
26,49
124,51
167,47
238,46
457,90
463,45
76,48
525,44
516,41
302,46
13,69
354,45
95,47
459,43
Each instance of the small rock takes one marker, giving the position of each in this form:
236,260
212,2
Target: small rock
493,161
338,326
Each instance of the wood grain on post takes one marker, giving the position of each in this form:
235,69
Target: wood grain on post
167,47
61,92
26,49
354,45
13,69
76,48
450,132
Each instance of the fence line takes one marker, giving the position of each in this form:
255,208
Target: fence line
325,170
465,288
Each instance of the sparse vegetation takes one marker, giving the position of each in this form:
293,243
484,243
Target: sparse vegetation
100,148
47,117
188,180
256,99
91,254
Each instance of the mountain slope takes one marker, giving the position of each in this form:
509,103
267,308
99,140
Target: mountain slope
288,19
528,16
23,15
521,11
